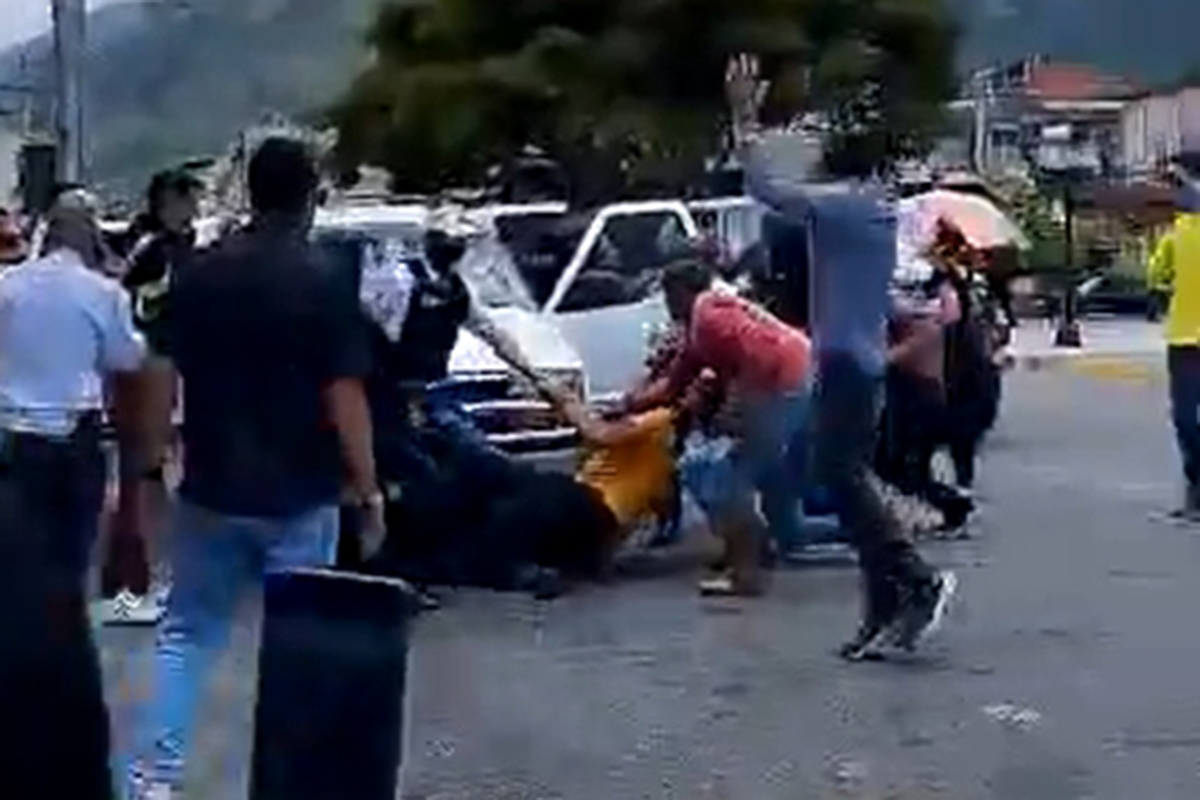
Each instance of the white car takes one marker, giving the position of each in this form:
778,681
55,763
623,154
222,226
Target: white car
579,293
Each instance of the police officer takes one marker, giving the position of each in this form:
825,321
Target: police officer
64,329
415,308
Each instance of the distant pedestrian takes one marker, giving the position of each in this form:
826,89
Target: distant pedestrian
271,351
1174,271
973,374
916,407
13,247
165,243
64,330
853,257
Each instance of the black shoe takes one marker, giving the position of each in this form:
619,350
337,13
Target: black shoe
924,611
865,644
957,514
541,582
1190,512
427,600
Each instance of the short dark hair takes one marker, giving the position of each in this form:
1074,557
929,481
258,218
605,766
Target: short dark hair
282,176
176,181
689,275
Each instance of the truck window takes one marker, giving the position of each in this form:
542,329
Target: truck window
623,266
541,246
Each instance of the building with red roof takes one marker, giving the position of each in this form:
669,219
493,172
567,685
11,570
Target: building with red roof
1042,114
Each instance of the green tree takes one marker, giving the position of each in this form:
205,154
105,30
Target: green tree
621,89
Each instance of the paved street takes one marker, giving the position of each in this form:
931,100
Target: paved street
1033,341
1067,671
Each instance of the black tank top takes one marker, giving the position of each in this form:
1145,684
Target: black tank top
439,307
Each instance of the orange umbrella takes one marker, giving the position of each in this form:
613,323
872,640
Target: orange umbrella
984,226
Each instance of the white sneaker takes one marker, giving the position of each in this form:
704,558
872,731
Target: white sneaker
160,591
128,608
141,788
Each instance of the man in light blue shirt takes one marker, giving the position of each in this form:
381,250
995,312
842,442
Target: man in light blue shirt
64,329
853,258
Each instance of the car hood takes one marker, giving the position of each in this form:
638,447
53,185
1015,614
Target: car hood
537,336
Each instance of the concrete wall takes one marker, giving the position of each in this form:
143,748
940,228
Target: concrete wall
1157,128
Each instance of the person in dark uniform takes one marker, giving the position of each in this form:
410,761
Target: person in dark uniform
415,308
160,242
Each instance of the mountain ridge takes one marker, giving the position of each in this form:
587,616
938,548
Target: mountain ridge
169,81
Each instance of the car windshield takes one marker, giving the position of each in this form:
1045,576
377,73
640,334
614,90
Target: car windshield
486,266
540,247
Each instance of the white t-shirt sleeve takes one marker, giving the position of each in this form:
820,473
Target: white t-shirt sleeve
122,346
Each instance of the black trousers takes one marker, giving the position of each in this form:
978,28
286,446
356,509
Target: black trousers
845,425
914,423
51,692
1183,364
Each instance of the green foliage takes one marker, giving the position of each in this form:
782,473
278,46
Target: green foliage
459,85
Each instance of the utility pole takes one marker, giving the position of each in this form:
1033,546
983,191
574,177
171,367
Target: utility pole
981,93
70,20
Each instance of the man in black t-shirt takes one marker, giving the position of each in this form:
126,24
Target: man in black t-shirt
271,351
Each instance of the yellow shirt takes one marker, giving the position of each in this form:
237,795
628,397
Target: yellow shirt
634,475
1175,268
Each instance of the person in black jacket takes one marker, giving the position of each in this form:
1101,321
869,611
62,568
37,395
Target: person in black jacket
159,243
426,447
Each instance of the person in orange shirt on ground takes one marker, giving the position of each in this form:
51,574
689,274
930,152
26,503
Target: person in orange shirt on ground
629,463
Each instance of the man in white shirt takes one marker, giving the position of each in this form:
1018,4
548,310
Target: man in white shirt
64,329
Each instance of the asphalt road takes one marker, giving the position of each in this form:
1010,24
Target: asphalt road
1068,669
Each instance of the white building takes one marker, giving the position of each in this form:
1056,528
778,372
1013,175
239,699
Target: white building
1157,128
10,152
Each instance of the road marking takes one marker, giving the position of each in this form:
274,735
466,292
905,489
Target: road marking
1121,370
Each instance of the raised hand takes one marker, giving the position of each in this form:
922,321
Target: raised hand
746,91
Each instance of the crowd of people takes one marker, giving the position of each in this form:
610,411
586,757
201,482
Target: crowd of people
315,434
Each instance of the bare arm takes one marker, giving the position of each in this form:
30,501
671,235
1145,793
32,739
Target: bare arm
593,429
923,333
776,165
346,402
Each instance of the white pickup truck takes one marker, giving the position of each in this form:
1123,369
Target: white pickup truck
580,293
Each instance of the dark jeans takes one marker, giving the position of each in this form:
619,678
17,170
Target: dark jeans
1183,363
845,418
913,422
50,687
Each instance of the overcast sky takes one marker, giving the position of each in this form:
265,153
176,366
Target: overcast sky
26,18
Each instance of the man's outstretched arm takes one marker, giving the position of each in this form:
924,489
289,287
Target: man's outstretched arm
776,165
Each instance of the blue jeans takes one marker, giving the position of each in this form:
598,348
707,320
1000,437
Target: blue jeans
1184,369
216,560
772,458
768,460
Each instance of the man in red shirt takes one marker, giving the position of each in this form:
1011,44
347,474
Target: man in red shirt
764,363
